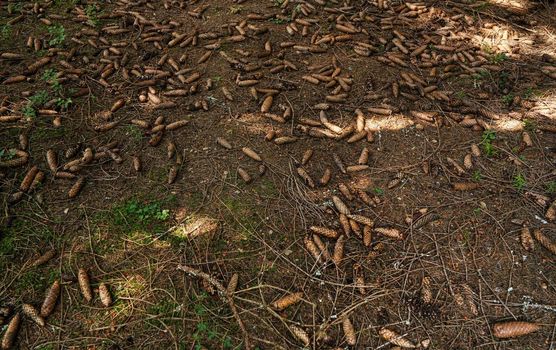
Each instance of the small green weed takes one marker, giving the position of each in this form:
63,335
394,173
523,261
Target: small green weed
234,10
15,7
28,111
7,154
49,75
483,74
378,191
479,78
477,176
70,3
529,93
488,137
56,87
195,200
6,31
498,58
503,79
57,35
39,98
529,125
483,6
466,238
241,217
7,245
35,101
44,133
30,280
507,99
551,187
20,235
63,103
164,307
92,12
139,220
144,212
206,332
268,189
278,20
53,275
134,132
486,48
519,182
44,347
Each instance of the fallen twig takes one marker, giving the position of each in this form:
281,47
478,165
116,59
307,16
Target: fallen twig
224,293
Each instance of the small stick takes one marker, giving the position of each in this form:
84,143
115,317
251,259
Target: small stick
222,290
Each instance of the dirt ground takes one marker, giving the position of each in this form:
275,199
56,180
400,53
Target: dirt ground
163,147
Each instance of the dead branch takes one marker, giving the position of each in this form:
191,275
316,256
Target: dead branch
224,293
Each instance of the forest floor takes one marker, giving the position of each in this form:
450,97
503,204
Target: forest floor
387,166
